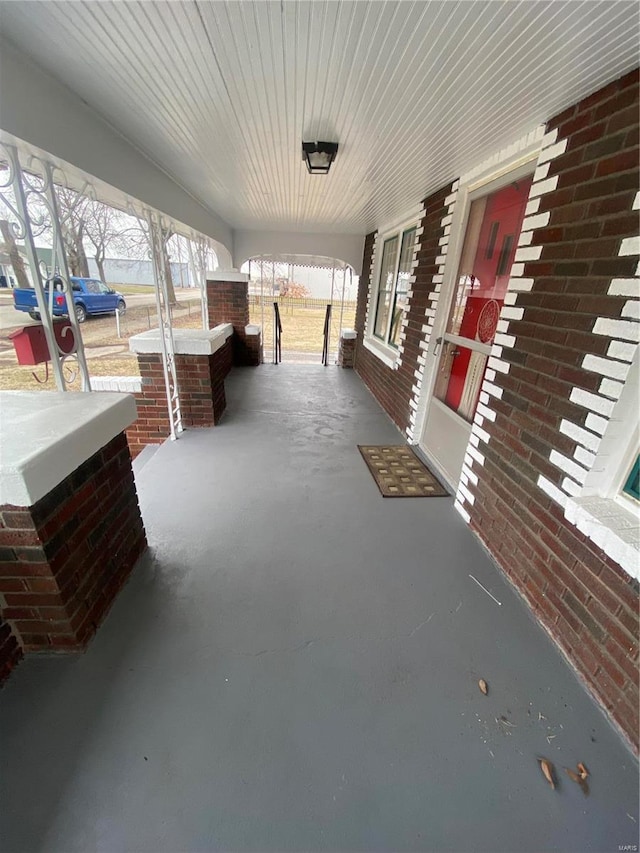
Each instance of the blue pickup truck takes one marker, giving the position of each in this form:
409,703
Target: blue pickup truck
90,296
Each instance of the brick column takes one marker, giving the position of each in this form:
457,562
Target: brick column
65,558
201,384
347,351
202,358
152,425
253,339
228,301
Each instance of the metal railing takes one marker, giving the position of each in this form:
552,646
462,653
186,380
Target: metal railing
326,336
277,335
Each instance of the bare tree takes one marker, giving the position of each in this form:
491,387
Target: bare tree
133,241
10,247
84,220
40,224
107,229
72,210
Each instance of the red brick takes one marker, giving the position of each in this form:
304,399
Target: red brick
620,162
21,520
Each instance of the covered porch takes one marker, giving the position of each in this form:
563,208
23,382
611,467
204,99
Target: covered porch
294,665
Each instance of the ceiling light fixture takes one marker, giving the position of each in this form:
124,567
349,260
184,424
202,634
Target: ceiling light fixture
319,156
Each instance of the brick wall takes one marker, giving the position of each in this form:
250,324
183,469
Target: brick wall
364,287
10,651
202,396
570,326
64,560
347,352
395,390
228,302
254,355
201,384
152,424
567,336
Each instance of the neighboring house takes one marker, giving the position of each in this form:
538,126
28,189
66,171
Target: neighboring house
127,271
498,327
124,271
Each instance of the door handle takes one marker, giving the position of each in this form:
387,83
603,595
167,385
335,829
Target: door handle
437,346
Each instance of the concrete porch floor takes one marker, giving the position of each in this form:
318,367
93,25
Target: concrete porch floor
294,665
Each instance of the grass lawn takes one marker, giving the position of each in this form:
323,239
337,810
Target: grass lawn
134,289
302,328
16,378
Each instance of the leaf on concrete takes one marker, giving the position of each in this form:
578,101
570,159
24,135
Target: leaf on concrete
547,768
580,777
482,684
573,776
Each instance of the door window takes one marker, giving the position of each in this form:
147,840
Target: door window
488,251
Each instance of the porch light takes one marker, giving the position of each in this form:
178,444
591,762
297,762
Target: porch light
319,156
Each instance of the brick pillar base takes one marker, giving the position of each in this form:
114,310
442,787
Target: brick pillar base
347,350
201,384
64,559
253,340
152,424
228,302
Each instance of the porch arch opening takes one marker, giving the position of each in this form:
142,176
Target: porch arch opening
313,296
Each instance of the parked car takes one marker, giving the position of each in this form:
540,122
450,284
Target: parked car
90,296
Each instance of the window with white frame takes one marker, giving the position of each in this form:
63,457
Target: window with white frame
607,507
391,298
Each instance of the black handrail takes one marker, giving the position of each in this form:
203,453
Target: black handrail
277,335
327,329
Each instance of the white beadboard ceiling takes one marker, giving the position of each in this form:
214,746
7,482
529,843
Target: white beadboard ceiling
221,94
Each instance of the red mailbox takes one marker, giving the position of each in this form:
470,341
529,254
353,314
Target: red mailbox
30,342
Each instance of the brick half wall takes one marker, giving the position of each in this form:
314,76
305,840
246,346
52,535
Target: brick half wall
65,559
202,396
201,383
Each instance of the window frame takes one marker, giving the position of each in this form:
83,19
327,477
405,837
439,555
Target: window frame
384,338
632,474
601,510
388,352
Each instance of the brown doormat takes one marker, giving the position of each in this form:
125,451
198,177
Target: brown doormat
399,473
